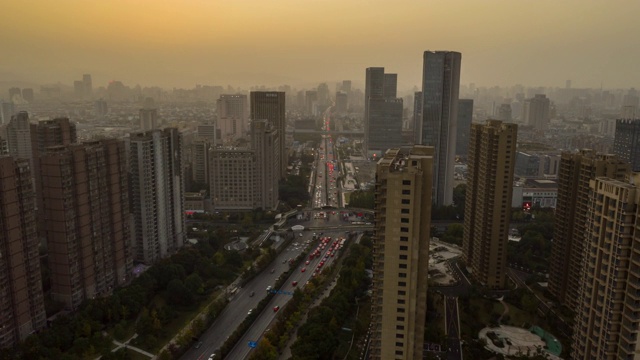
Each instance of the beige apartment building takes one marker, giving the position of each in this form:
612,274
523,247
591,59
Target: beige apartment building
491,160
608,302
575,172
22,302
401,253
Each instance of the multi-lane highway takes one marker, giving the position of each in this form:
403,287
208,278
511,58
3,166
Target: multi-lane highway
452,328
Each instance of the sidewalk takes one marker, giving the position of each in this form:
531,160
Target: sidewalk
127,346
286,352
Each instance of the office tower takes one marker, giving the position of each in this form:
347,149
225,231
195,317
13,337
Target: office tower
264,141
22,311
148,119
86,211
342,102
87,84
626,143
504,113
311,102
574,174
491,159
7,109
19,137
269,105
346,86
209,133
417,114
323,95
535,112
383,112
200,161
233,116
157,193
465,116
438,128
607,308
100,108
27,95
401,253
233,178
15,95
78,88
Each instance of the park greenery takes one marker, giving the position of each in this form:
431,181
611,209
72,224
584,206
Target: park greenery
362,199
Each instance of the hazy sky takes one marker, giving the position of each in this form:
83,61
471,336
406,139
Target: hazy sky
249,42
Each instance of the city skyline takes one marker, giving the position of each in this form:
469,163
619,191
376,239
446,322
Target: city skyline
180,44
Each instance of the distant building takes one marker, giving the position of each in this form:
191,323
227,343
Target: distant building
535,112
100,108
401,253
504,113
86,210
417,115
565,265
7,110
157,193
264,141
626,143
148,119
233,178
532,193
27,95
492,148
465,116
200,161
210,133
438,128
22,312
19,137
233,117
342,103
311,102
383,112
270,105
532,165
15,95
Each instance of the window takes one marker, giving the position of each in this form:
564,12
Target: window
404,211
402,283
401,301
399,327
403,266
402,275
404,247
406,192
406,182
403,257
402,292
404,220
404,238
400,318
406,201
399,344
400,310
399,336
404,229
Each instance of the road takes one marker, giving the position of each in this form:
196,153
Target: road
262,323
452,328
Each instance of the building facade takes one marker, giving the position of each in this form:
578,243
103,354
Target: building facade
491,161
401,253
270,105
465,116
233,178
569,233
157,193
264,141
22,311
626,143
438,128
535,112
608,304
86,219
233,117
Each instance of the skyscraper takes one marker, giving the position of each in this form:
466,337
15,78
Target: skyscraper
86,210
401,253
148,119
233,117
269,105
264,141
574,174
438,128
7,109
491,160
608,305
157,192
200,160
626,143
383,112
465,116
535,112
22,311
87,85
417,115
233,178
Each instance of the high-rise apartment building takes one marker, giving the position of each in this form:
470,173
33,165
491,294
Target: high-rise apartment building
157,193
438,128
569,235
608,304
22,311
626,143
200,161
209,133
233,117
401,253
148,119
86,219
535,112
504,112
491,160
7,109
269,105
465,116
19,137
382,113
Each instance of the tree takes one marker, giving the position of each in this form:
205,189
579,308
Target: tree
178,294
362,199
194,283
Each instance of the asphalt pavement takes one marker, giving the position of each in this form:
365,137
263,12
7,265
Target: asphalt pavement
452,328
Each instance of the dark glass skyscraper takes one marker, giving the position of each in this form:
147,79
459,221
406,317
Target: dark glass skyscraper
383,112
269,105
440,88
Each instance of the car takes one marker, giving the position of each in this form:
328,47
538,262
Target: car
269,288
300,235
198,344
252,293
303,269
276,308
250,312
294,283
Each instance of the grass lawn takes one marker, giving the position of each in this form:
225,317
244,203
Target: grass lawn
134,355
